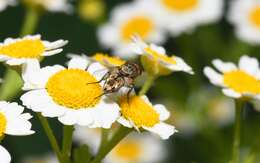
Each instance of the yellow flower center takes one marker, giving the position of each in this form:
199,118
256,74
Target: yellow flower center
2,124
71,88
140,25
128,150
254,16
107,60
180,5
138,111
26,48
157,56
242,82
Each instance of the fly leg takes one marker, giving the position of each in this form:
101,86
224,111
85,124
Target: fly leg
131,88
103,78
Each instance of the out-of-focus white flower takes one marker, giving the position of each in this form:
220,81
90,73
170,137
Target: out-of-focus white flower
179,16
237,82
128,20
89,136
21,50
4,155
69,93
5,3
48,158
157,59
51,5
138,112
137,148
245,15
13,121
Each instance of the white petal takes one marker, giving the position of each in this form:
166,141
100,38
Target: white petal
162,129
224,66
54,45
35,78
69,118
162,111
213,76
104,114
231,93
4,155
248,64
97,70
80,62
52,52
124,122
40,101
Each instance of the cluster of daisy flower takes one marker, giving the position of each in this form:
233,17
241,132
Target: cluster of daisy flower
154,20
67,92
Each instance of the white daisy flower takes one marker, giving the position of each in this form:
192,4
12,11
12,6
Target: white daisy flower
127,20
138,112
237,82
137,148
51,5
157,56
69,93
182,16
4,155
245,16
13,121
21,50
5,3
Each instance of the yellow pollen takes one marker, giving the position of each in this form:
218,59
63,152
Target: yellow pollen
26,48
180,5
157,56
242,82
71,88
138,111
2,124
254,16
106,60
140,25
128,150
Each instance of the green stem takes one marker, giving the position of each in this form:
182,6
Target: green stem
104,139
12,82
30,22
147,85
50,135
121,133
67,143
237,128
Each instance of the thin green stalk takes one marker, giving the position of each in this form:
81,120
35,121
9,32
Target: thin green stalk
12,82
30,22
236,141
104,138
67,143
147,85
121,133
50,135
